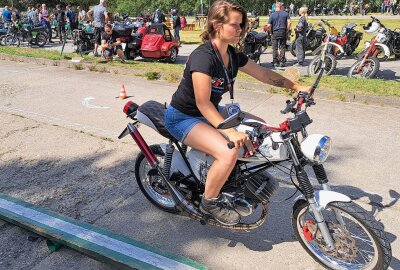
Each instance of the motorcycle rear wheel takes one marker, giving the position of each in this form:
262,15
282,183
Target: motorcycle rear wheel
368,70
41,39
315,65
360,243
12,41
151,184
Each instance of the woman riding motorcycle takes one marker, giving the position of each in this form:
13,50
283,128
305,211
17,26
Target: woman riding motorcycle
194,112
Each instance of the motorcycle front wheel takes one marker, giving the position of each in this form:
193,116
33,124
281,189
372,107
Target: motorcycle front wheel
41,39
368,70
151,183
316,64
360,241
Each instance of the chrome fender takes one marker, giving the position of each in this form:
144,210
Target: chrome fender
324,197
383,46
317,50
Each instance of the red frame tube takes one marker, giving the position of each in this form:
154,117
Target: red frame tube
144,147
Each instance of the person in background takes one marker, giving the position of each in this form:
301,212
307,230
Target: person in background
72,17
44,18
301,35
16,14
279,24
81,14
100,17
183,22
32,16
111,44
7,17
291,8
176,23
61,18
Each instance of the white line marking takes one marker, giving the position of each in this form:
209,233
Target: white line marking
85,102
94,237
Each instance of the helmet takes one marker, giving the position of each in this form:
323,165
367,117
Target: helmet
371,27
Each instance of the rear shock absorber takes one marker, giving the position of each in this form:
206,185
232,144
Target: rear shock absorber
169,151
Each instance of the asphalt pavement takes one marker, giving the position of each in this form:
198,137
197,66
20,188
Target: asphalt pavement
59,150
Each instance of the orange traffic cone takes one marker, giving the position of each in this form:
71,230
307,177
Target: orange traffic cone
122,94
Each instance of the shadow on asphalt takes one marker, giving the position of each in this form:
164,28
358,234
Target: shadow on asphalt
108,196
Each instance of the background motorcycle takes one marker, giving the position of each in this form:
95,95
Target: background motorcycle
83,41
334,48
388,42
349,38
336,232
255,44
313,41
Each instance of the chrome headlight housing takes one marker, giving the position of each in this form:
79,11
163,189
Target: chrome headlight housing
316,147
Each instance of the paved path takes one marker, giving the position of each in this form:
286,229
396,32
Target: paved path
62,154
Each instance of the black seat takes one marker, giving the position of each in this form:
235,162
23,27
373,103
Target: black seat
261,36
155,112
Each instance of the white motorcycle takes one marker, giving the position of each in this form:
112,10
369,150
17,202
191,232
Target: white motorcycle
335,231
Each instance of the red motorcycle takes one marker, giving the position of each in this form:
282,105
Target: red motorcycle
349,38
368,65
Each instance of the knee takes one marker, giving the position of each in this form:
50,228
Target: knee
229,157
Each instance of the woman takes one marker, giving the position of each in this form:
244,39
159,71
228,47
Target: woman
301,35
193,114
44,18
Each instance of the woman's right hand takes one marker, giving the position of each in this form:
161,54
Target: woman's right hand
240,139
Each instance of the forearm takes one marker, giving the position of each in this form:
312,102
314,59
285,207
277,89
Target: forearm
209,112
275,79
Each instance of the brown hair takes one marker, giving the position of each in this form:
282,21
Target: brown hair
219,13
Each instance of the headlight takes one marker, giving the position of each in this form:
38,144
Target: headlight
316,147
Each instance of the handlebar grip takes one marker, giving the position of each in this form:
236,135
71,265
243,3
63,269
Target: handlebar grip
231,145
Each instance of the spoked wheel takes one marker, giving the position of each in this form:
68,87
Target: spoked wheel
41,39
3,40
12,41
368,69
151,183
316,64
359,240
173,56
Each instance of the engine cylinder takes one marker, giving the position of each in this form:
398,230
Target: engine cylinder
261,186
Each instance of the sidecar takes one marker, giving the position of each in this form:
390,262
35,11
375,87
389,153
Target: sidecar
159,43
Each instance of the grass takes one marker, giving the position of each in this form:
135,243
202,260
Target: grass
172,73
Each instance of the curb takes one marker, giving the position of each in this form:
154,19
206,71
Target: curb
389,101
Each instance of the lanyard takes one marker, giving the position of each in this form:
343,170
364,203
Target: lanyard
229,82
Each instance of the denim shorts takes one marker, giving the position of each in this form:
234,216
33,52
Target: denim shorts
179,124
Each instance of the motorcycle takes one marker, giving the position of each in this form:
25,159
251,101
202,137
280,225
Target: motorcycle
335,231
313,41
368,65
255,44
388,42
349,38
334,48
83,41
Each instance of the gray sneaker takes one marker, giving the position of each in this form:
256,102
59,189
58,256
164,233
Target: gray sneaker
220,211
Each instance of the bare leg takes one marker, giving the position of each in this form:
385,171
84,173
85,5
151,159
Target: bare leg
216,146
121,55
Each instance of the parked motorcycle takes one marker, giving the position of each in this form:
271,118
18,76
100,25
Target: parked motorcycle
83,41
325,61
388,42
314,39
334,48
349,38
335,231
255,44
368,65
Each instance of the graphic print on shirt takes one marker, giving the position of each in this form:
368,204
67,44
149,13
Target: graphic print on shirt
218,85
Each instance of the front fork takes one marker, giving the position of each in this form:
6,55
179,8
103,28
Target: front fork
308,191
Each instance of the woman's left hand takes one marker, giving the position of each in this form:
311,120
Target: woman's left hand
303,88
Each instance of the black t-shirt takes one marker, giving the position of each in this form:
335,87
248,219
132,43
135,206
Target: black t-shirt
278,20
110,38
60,16
204,60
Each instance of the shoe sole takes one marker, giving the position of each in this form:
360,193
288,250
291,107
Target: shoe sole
212,217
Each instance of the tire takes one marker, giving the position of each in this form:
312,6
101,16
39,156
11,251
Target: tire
264,46
11,40
54,33
370,237
315,65
3,40
152,185
173,56
369,69
293,48
41,39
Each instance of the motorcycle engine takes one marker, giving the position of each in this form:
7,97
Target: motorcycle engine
260,187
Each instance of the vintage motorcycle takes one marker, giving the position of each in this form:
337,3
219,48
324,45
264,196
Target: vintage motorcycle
314,39
335,231
255,44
